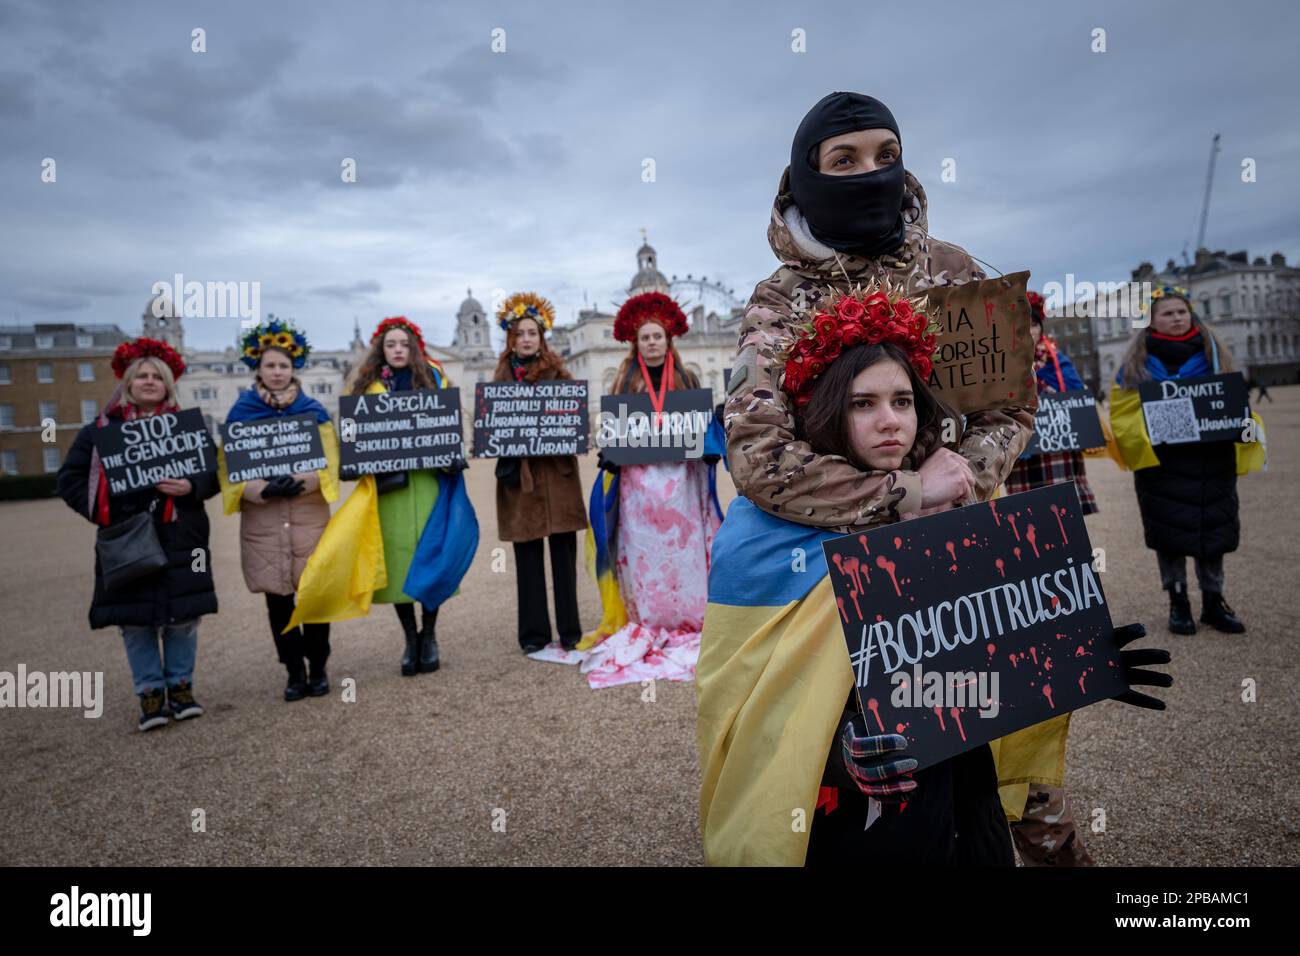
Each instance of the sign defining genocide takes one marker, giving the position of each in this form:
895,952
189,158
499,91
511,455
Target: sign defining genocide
288,445
984,355
1066,421
967,625
1205,408
141,452
632,434
530,419
399,431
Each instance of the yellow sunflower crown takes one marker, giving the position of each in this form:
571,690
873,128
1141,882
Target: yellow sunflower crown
526,305
273,333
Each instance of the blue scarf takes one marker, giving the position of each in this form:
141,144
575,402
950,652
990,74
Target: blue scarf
249,407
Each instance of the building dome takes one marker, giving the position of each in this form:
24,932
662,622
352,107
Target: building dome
648,278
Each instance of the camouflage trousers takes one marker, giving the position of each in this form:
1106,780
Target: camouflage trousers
1046,834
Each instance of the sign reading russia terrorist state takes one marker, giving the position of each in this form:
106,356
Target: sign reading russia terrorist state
399,431
268,447
141,452
530,419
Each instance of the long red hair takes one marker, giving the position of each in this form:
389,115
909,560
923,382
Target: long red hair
629,379
548,364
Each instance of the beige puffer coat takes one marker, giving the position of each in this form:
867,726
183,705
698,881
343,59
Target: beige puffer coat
782,474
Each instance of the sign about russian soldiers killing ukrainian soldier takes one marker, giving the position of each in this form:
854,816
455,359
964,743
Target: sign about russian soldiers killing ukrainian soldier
530,419
141,452
632,433
399,431
984,355
268,447
1205,408
1066,421
969,624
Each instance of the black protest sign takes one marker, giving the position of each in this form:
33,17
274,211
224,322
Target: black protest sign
984,354
967,625
1204,408
632,434
530,419
141,452
386,432
1066,421
266,447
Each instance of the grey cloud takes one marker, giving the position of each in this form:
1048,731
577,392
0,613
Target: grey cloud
348,293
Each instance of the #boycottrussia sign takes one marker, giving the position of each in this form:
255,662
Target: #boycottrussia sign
985,353
272,446
142,452
530,419
1066,421
1206,408
399,431
967,625
632,434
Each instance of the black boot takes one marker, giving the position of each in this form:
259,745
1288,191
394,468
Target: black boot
411,656
1180,611
1216,613
429,642
289,647
316,645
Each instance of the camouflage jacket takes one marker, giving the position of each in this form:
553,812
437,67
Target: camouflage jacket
780,473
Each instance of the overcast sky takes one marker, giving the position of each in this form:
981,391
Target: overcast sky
523,169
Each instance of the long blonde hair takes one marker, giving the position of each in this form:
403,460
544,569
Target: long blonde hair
165,373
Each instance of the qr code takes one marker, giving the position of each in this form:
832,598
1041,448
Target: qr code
1171,420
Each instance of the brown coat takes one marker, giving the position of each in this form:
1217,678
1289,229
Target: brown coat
277,536
771,466
547,501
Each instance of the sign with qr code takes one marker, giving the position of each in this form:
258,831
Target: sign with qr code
970,624
1204,408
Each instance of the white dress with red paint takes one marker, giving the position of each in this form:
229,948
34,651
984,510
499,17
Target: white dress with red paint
666,526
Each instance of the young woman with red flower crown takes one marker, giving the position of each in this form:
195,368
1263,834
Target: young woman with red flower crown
282,518
779,730
157,613
658,522
538,499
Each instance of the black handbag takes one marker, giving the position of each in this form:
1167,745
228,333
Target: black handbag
391,481
129,550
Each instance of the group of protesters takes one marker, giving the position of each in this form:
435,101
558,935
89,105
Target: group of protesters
851,439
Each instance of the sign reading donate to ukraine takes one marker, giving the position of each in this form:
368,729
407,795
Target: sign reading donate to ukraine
386,432
965,626
1066,421
141,452
266,447
530,419
1205,408
632,434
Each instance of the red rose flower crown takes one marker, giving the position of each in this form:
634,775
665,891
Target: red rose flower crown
869,314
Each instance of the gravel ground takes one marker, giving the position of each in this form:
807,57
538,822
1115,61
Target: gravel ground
417,769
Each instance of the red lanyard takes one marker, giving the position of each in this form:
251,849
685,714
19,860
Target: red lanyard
657,403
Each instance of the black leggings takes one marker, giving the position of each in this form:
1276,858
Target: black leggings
406,614
308,640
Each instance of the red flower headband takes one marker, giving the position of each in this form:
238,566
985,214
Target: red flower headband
649,307
1037,306
873,315
400,322
128,352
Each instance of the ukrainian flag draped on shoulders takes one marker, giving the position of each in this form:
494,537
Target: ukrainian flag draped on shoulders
771,683
1133,449
600,553
347,567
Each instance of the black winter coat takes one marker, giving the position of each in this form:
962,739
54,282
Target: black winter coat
1189,501
174,593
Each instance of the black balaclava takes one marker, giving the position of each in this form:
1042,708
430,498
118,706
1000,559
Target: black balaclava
860,214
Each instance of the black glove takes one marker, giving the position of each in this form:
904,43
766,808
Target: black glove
608,466
1132,662
712,459
282,486
507,472
876,765
458,464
